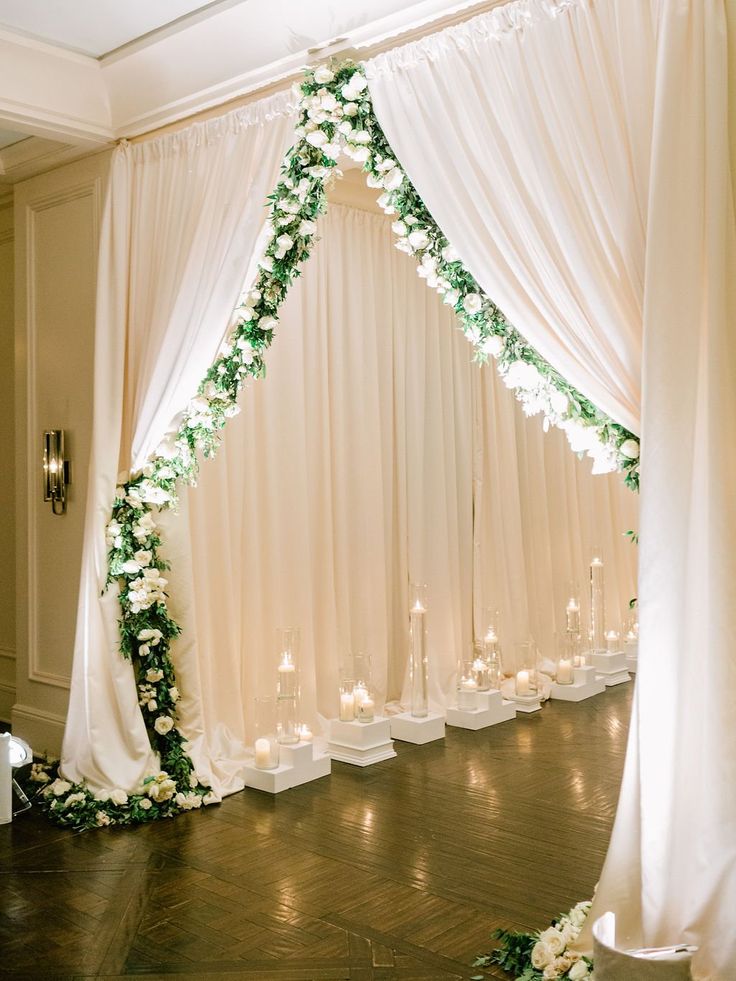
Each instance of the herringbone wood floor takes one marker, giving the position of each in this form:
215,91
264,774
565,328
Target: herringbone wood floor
401,870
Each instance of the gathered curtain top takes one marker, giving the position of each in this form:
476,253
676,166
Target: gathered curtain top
210,131
497,24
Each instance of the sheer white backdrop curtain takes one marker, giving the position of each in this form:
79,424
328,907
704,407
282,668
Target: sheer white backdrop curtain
181,225
575,153
356,465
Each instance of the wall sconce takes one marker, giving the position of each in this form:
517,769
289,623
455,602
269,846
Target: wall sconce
56,470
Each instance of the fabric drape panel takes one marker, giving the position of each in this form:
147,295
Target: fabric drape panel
351,470
180,230
575,153
526,135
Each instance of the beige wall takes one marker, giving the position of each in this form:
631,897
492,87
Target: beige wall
7,474
57,219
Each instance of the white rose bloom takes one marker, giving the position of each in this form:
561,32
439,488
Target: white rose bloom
131,567
554,940
350,109
630,449
399,228
60,787
323,75
522,375
492,346
284,243
358,153
418,239
101,819
151,704
318,138
472,303
558,401
249,314
345,128
145,804
266,263
541,955
119,797
163,724
331,150
550,972
307,227
393,179
268,323
384,202
174,694
451,297
153,675
143,557
358,82
578,971
362,136
73,799
449,254
329,102
144,650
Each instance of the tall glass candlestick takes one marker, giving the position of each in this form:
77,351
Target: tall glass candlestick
288,685
572,610
597,604
491,641
418,668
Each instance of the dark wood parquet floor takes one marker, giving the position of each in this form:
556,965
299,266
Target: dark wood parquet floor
400,870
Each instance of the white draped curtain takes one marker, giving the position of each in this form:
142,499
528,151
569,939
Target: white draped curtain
374,452
181,226
575,152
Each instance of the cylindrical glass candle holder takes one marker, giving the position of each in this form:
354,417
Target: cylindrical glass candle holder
630,630
613,641
347,700
526,682
266,746
579,656
287,691
491,637
467,686
495,674
572,609
365,710
480,667
565,667
597,603
418,665
361,672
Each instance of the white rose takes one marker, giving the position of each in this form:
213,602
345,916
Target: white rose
102,819
358,82
153,675
350,109
307,227
362,136
152,705
399,228
143,557
451,297
174,694
119,797
449,254
73,799
345,128
163,724
418,239
358,153
60,787
578,971
131,567
630,449
144,650
268,323
145,804
284,243
393,179
318,138
554,940
323,75
266,263
550,972
541,955
492,346
472,303
149,634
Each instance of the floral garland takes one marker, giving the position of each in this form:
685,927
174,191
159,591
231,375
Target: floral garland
545,955
336,117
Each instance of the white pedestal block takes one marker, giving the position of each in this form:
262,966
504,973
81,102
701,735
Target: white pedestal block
298,764
486,708
361,743
407,728
527,703
631,649
585,684
611,667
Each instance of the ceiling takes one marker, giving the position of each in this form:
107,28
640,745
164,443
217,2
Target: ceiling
93,27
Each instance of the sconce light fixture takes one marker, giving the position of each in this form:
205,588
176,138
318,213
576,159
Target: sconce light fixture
56,470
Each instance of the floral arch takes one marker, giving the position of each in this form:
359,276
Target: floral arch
336,116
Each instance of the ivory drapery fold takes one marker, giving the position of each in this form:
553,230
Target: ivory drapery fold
180,229
356,465
575,153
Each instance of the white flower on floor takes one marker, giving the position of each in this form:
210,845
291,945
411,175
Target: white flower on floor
73,799
119,797
38,774
163,724
541,955
102,819
554,940
472,303
578,971
145,804
60,787
161,788
188,802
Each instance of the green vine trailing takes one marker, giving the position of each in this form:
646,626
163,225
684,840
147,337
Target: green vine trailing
336,116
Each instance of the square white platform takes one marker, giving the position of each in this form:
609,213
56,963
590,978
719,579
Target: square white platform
585,685
631,649
361,743
298,764
611,667
407,728
487,708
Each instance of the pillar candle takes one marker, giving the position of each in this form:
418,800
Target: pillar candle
347,706
564,671
522,683
263,753
305,734
573,616
612,641
6,780
366,709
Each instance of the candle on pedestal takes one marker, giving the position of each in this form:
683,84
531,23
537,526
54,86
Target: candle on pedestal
347,706
612,644
573,616
418,672
564,671
305,733
366,709
523,686
263,754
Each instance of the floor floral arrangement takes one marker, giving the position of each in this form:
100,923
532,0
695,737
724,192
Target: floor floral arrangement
545,955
